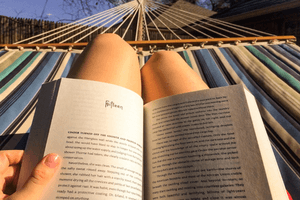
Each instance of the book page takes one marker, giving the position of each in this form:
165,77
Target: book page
97,129
272,171
202,145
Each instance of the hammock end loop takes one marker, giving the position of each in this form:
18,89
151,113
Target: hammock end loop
220,43
37,48
53,48
135,49
186,46
254,41
290,41
20,48
237,42
169,48
152,49
202,44
273,41
6,48
70,48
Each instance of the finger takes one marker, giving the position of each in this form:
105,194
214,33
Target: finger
39,179
10,178
3,196
2,184
10,157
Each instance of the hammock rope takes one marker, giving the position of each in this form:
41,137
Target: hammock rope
118,14
72,24
156,16
224,23
165,13
182,16
117,11
152,19
155,26
137,24
270,72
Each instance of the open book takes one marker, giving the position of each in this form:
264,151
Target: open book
208,144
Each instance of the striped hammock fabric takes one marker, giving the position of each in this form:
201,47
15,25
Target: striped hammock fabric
270,72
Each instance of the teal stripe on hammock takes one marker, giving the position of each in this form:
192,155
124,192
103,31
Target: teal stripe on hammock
260,96
290,80
20,99
14,65
187,59
19,74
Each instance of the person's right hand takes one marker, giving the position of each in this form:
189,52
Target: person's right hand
33,188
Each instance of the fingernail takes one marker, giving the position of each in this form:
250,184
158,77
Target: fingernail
52,160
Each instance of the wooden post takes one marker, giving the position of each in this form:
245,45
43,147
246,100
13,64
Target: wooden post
15,26
23,29
32,28
27,28
18,30
6,33
43,29
1,29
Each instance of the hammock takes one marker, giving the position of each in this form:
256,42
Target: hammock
268,66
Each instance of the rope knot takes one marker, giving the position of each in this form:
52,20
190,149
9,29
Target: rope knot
237,42
152,49
186,46
220,43
254,41
169,48
202,44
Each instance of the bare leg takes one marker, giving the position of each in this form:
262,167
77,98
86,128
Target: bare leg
109,59
165,74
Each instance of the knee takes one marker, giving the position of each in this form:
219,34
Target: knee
111,41
164,57
107,37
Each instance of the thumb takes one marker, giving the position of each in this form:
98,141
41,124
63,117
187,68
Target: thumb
39,178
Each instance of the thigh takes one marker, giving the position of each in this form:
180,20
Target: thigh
108,58
165,74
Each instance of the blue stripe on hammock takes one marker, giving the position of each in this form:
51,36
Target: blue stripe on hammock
290,179
31,87
210,69
283,61
290,50
287,55
278,71
72,58
2,53
279,62
278,117
286,169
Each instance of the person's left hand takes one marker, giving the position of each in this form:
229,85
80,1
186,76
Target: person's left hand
10,163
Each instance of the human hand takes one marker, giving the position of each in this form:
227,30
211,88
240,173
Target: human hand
10,162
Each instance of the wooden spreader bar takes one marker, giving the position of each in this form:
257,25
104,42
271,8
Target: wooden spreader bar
160,43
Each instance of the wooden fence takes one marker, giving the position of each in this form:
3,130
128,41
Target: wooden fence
17,29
